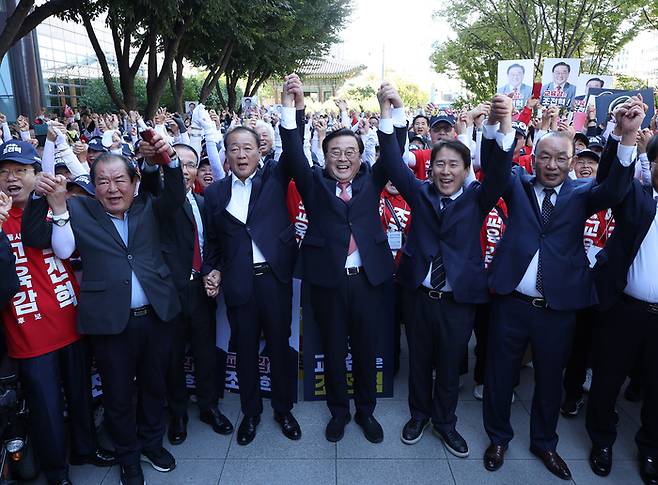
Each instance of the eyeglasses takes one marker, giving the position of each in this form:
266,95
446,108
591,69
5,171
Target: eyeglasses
17,172
546,159
349,153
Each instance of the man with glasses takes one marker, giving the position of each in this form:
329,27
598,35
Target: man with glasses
182,240
540,276
347,262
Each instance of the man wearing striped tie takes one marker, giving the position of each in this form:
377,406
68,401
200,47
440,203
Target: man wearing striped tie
442,266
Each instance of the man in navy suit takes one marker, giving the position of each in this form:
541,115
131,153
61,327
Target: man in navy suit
626,284
251,248
541,276
442,267
346,260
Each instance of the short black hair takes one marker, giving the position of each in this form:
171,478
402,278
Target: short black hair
342,132
455,145
243,129
420,116
561,64
516,65
110,157
652,149
596,79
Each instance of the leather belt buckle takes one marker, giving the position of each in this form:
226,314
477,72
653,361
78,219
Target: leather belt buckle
353,271
194,275
538,303
652,308
435,295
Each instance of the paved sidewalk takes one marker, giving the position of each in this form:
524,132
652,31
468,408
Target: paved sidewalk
209,459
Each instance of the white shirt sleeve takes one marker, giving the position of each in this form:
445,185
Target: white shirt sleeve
6,132
369,144
625,154
216,162
288,118
504,140
63,241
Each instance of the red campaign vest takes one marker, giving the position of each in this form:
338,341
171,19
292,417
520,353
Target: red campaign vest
296,211
492,231
402,211
598,229
422,163
41,318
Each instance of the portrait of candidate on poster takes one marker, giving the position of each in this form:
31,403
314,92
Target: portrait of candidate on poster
559,79
515,79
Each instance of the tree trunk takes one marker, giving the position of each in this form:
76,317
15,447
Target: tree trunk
231,83
13,25
213,76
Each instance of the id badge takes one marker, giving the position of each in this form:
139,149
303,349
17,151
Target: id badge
395,240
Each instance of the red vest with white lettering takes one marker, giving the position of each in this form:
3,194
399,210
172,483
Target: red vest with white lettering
41,317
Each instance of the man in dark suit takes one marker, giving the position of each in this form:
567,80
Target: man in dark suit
347,263
127,298
182,241
540,275
442,267
8,274
250,247
626,283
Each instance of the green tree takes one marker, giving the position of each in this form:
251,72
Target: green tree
495,30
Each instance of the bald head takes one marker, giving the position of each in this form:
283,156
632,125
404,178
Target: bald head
552,158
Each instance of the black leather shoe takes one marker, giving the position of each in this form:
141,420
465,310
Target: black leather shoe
289,425
633,392
454,442
494,456
372,430
100,457
413,431
247,429
649,470
600,459
177,430
553,462
220,423
336,428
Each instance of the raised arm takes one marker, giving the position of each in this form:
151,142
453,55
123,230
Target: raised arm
497,151
293,159
391,162
613,187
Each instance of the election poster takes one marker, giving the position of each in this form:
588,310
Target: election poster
515,78
314,371
607,102
587,82
559,79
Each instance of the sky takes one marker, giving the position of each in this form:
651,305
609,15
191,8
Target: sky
403,30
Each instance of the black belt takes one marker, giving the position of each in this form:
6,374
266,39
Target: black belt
436,294
353,271
141,311
645,305
537,302
261,269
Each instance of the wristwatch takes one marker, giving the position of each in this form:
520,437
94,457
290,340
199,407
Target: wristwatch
62,219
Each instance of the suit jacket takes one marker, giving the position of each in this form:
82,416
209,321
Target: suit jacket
454,230
227,245
8,275
107,263
568,88
633,219
524,89
568,282
331,220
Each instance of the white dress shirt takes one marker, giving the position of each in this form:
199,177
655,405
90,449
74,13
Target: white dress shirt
353,260
642,283
238,207
428,278
197,218
528,284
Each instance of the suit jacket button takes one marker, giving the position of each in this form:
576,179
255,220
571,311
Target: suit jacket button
130,257
125,282
543,235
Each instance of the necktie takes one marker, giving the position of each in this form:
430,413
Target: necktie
438,276
196,256
345,196
559,90
546,213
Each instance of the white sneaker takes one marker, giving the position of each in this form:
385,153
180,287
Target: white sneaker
478,392
588,380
